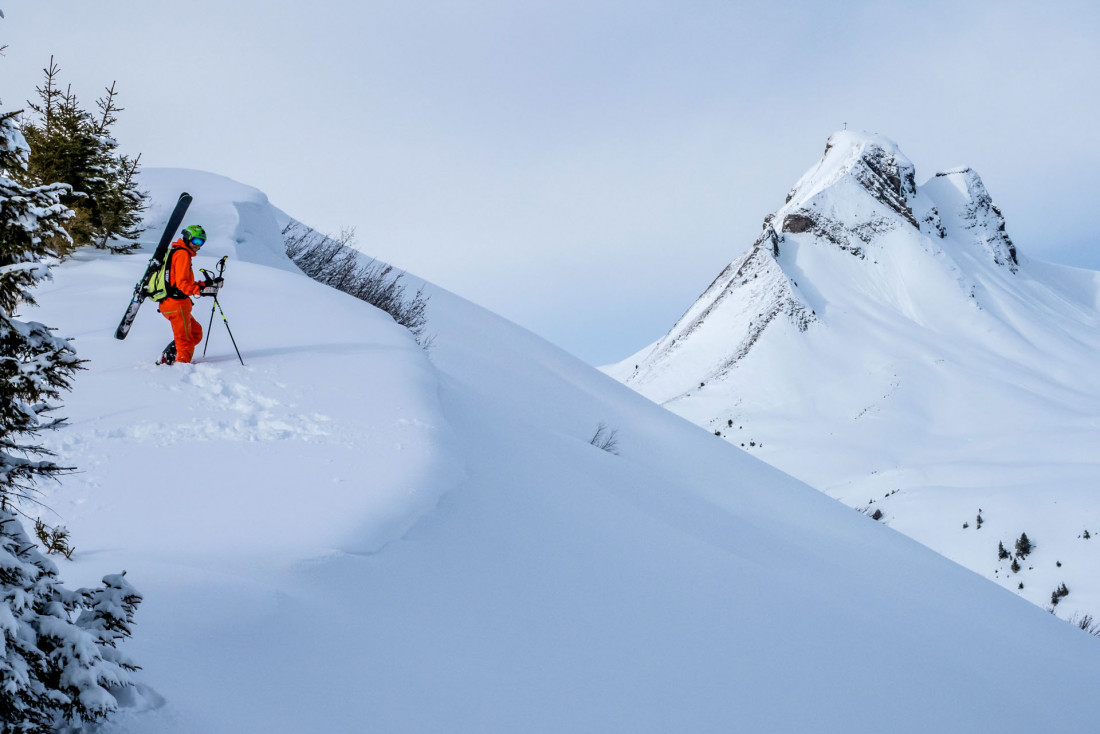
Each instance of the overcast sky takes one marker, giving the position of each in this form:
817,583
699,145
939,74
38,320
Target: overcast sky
584,168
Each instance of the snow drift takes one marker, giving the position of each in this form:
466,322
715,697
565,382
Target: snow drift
349,534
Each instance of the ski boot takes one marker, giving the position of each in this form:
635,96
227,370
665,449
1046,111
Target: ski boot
168,356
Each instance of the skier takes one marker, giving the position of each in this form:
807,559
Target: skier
178,284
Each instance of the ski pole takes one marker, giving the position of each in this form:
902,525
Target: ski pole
226,322
209,326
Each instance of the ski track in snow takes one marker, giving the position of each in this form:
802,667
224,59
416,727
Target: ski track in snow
229,410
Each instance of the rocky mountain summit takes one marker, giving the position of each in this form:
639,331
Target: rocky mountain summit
886,342
859,195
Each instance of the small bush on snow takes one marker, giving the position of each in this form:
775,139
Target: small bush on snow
605,438
1087,623
54,540
1058,594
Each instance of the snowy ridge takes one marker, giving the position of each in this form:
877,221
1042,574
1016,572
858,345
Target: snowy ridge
942,373
751,293
351,535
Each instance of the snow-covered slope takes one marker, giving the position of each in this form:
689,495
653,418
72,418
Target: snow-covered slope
886,343
349,535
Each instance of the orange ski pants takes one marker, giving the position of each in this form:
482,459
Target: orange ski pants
185,329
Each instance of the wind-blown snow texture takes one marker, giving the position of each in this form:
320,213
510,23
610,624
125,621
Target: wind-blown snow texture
351,535
887,344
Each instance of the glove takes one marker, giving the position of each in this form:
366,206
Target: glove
211,287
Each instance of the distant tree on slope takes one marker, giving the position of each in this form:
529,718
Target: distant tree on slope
1023,545
53,669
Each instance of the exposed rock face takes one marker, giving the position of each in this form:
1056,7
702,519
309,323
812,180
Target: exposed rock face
872,166
889,177
845,236
962,199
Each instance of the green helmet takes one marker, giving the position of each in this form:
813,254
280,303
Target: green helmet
194,236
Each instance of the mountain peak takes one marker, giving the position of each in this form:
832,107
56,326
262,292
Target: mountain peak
872,162
918,359
862,186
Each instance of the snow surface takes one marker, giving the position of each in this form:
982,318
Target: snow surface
349,534
939,379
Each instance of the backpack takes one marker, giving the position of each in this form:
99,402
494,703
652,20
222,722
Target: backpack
160,285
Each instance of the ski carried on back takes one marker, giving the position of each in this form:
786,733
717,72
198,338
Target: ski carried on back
155,263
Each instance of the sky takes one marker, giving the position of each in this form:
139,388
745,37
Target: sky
584,168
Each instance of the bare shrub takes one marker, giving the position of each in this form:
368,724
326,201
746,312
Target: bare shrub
606,438
1087,623
336,263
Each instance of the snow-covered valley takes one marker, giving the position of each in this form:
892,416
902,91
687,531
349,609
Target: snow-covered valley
351,534
886,343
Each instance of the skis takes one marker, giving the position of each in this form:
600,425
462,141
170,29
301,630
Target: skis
155,262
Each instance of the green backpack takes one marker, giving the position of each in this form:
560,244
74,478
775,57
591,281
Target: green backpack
158,288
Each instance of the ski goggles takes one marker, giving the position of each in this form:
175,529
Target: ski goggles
198,241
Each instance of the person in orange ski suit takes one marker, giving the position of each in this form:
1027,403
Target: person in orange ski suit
181,285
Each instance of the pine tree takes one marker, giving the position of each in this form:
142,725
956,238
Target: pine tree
119,204
37,365
57,671
52,670
1023,545
1001,552
72,146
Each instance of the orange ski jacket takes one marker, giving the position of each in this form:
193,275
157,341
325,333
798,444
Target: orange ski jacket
181,277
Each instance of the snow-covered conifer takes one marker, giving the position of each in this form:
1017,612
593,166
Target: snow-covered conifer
36,365
55,671
109,617
52,669
119,203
